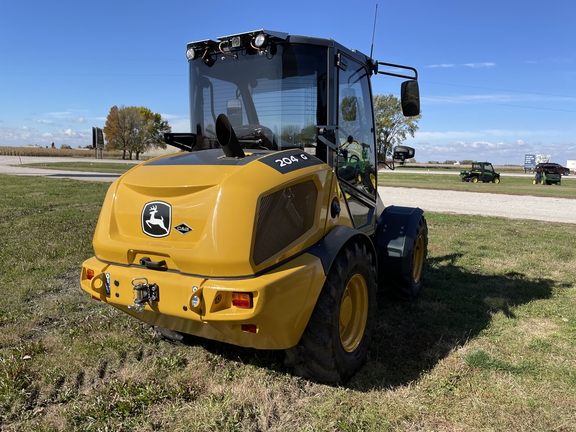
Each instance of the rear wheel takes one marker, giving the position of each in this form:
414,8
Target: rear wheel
474,179
335,342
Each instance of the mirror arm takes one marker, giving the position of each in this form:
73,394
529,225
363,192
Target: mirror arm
397,66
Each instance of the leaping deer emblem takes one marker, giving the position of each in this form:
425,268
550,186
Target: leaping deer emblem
154,220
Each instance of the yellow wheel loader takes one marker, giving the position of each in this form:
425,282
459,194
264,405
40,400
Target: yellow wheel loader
259,231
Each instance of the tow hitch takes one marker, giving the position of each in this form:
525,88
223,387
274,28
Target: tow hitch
143,293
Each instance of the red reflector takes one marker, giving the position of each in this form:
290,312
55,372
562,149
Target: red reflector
242,300
96,298
250,328
89,274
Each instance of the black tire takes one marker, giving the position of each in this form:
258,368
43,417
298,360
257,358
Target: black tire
538,178
409,285
329,350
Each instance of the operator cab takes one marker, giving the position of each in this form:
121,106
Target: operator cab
277,92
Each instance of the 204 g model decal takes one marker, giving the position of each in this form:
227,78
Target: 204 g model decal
289,161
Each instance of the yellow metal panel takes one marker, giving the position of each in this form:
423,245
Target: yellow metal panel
219,203
283,301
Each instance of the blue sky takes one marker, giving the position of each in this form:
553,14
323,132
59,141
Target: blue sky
497,78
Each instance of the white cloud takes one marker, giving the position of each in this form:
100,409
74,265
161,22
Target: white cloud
78,120
480,65
59,114
25,135
500,152
471,65
45,122
179,124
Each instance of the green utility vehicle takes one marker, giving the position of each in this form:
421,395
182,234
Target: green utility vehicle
481,171
547,176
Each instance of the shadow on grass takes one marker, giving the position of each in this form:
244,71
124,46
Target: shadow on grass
410,338
455,306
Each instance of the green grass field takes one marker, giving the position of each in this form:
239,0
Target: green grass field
489,346
510,184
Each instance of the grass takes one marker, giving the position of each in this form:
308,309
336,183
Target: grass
510,184
490,344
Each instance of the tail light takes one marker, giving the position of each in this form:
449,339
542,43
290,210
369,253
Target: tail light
242,300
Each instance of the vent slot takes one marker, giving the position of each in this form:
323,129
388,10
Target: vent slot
284,216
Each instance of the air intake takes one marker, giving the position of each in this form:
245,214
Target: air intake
283,217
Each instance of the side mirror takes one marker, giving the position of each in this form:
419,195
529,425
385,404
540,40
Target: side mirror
401,153
410,97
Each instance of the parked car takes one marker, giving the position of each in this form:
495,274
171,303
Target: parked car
550,167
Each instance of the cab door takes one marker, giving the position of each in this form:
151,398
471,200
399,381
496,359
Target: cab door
356,154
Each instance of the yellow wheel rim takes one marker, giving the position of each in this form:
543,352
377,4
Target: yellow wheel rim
496,180
418,262
353,313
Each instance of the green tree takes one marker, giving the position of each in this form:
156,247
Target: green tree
134,130
391,125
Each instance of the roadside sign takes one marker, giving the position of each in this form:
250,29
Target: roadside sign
529,162
97,141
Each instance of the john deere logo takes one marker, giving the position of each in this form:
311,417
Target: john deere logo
156,219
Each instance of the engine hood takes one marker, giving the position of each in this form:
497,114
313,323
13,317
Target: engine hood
206,214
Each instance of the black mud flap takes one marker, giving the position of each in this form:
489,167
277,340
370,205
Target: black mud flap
395,241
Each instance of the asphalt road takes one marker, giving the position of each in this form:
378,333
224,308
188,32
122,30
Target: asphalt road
561,210
13,165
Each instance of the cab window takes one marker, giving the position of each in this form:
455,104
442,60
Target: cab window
356,159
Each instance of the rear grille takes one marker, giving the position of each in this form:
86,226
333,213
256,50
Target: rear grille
284,216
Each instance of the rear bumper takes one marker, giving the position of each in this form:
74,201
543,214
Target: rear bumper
283,301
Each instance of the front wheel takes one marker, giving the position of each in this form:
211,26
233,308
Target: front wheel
335,342
497,180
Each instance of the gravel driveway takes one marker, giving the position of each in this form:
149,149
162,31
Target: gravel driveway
483,204
474,203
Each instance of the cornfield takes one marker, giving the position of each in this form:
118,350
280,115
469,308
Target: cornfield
48,152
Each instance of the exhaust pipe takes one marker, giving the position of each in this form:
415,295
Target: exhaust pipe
227,138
